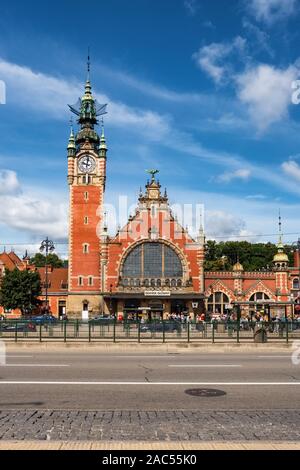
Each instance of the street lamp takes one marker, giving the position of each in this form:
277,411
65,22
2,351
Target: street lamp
297,244
47,246
110,299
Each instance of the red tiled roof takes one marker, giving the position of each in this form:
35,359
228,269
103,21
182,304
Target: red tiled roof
56,276
8,262
15,258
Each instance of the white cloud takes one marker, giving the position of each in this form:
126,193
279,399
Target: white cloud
49,95
242,173
266,91
9,183
212,58
270,11
256,196
224,224
292,169
42,214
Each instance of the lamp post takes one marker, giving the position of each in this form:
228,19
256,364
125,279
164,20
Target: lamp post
47,246
297,245
110,299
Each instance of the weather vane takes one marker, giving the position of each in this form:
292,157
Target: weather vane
152,173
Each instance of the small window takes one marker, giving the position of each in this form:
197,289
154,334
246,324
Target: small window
86,179
91,280
86,220
86,196
85,248
80,281
296,283
153,211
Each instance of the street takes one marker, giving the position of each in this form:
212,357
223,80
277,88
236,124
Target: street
80,394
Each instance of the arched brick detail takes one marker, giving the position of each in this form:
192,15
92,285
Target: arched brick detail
178,251
259,286
218,286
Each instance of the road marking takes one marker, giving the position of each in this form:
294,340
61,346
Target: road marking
35,365
8,355
141,357
276,357
36,382
205,365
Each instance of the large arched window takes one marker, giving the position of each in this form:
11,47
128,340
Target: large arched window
152,260
217,303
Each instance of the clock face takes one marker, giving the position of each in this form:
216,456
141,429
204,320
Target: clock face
86,164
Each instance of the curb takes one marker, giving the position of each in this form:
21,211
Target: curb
147,445
167,347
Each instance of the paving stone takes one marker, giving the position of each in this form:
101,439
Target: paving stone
162,425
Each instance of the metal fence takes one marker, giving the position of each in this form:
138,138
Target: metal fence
158,332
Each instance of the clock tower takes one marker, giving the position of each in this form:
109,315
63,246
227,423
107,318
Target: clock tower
86,178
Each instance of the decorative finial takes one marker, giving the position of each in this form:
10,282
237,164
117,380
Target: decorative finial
152,173
105,220
71,126
280,227
165,194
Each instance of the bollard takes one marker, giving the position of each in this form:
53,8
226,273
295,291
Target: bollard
188,332
114,332
287,331
238,332
213,331
65,331
89,332
164,332
40,332
16,332
139,332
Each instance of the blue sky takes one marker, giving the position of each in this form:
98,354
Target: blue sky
200,90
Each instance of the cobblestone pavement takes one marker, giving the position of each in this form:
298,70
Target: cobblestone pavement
179,425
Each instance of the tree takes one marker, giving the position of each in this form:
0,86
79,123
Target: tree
253,256
39,260
20,290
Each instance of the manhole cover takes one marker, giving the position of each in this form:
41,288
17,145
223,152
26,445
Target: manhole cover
205,392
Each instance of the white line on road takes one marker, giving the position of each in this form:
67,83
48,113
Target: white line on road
36,382
8,355
35,365
205,365
276,357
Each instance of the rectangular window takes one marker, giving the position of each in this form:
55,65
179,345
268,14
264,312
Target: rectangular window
86,196
86,221
85,248
80,281
91,280
86,179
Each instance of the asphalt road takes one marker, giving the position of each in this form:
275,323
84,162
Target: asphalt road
94,380
84,395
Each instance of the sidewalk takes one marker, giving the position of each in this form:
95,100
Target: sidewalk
153,347
146,445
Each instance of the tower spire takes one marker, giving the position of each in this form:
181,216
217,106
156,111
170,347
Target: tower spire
71,145
280,227
280,259
102,146
88,65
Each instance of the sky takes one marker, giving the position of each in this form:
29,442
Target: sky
201,90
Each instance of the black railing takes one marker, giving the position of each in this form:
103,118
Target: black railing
111,330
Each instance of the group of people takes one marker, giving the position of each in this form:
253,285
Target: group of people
180,317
